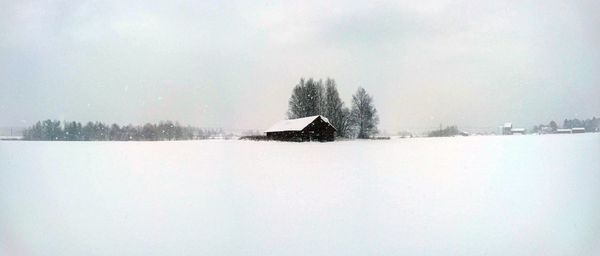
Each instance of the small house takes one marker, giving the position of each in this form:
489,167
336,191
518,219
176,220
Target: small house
312,128
578,130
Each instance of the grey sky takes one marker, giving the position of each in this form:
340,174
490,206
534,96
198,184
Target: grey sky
233,64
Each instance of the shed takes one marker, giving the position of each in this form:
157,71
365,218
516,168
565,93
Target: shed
578,130
563,131
312,128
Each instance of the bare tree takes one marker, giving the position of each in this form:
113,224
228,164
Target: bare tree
364,115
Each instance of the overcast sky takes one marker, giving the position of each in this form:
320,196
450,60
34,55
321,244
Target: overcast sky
234,64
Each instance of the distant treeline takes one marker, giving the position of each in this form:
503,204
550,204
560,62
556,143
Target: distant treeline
446,132
590,125
98,131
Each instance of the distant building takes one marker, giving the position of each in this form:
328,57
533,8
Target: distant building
562,131
507,129
546,129
517,131
312,128
578,130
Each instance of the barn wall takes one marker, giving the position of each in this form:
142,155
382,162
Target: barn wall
320,130
287,136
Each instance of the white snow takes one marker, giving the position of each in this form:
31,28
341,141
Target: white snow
8,137
294,124
480,195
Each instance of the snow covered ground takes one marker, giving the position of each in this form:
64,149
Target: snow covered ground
8,137
497,195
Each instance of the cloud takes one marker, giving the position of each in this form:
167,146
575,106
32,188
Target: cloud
234,63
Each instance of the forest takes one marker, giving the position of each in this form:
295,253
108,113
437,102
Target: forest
98,131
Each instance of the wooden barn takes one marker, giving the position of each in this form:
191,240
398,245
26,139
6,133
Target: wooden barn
312,128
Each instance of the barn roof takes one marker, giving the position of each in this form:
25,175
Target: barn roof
295,124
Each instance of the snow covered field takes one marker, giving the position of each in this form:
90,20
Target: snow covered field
497,195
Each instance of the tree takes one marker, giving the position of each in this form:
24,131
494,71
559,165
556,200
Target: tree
88,132
553,125
591,124
346,127
34,132
130,132
446,132
115,132
102,131
306,99
164,130
149,132
72,131
51,130
364,114
334,110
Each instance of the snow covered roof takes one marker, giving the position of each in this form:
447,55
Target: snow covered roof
294,124
507,125
518,129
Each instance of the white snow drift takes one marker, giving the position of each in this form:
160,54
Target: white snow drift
525,195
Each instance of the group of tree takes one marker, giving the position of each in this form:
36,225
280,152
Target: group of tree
98,131
590,125
314,97
445,132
